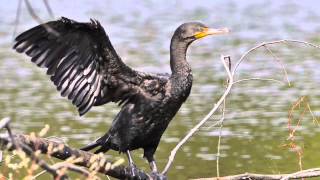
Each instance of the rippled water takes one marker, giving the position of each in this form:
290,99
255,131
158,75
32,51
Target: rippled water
255,127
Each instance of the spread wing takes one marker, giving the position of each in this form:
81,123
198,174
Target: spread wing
82,63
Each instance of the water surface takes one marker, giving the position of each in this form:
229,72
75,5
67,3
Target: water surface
255,127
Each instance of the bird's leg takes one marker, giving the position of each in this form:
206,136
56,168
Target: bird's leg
153,166
155,174
129,158
132,166
148,154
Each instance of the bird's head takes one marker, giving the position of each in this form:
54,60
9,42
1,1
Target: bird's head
191,31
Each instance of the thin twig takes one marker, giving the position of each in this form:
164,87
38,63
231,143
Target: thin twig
231,75
15,144
197,126
228,60
32,12
38,19
269,43
20,146
309,173
281,64
105,166
4,122
69,166
314,172
41,162
46,3
16,21
219,139
260,79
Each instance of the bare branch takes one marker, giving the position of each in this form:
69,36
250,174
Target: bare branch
281,64
32,12
46,3
38,19
68,166
4,122
16,21
260,79
64,152
204,120
221,120
309,173
227,92
270,43
28,150
219,139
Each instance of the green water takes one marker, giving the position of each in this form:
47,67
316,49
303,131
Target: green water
256,119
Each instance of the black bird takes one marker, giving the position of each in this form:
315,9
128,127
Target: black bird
86,69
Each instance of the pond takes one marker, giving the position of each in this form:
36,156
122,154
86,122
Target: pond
255,130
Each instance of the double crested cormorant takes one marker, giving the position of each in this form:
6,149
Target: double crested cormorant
86,69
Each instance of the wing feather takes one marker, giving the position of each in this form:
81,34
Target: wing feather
82,63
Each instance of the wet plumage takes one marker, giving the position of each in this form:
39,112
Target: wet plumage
85,68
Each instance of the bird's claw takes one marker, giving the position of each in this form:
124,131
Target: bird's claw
158,176
133,171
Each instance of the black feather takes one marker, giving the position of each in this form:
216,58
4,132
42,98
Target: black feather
78,59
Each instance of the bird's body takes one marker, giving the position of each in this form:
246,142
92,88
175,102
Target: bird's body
87,70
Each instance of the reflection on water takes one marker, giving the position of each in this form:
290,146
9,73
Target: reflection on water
255,128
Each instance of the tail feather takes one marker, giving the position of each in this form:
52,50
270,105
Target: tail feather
103,142
90,146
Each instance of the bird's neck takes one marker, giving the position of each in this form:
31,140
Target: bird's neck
181,77
178,62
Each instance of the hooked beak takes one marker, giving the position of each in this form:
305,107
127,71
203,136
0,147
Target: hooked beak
210,31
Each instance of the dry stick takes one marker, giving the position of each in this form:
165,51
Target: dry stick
32,13
227,91
7,126
64,152
219,139
73,168
314,172
260,79
69,166
46,3
309,173
280,62
269,43
16,21
221,125
196,127
220,121
41,162
20,146
4,122
37,18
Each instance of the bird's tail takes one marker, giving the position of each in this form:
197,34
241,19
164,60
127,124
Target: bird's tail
102,141
90,146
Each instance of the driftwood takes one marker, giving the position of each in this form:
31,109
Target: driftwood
63,152
308,173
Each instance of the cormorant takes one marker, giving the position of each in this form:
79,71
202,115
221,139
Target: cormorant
86,69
